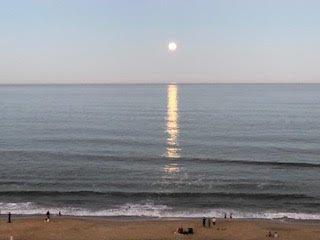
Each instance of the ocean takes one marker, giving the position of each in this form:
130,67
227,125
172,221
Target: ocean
161,150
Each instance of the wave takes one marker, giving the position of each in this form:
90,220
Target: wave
260,163
148,210
273,196
104,141
150,159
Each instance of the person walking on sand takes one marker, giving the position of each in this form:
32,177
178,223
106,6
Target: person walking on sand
204,222
48,216
213,221
9,217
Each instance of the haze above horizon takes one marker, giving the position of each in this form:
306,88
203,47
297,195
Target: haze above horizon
110,42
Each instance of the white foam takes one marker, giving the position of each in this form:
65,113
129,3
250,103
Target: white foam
147,210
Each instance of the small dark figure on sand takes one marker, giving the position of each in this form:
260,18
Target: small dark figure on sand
59,214
225,215
230,215
204,222
48,216
9,217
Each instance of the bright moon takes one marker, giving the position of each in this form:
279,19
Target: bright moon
172,46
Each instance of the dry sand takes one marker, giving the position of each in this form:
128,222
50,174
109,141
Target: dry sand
34,228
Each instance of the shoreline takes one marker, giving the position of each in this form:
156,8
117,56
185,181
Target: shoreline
150,218
74,227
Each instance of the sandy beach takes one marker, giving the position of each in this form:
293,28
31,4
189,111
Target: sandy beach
118,228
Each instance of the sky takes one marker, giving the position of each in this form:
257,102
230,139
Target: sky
125,41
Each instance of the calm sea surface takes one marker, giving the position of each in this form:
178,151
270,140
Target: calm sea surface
161,150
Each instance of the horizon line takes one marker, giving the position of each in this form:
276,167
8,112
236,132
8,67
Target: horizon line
173,83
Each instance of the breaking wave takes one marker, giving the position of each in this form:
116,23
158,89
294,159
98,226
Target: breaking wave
147,210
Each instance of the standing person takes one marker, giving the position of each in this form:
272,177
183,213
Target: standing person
9,217
48,216
213,221
225,215
204,222
209,222
230,215
59,214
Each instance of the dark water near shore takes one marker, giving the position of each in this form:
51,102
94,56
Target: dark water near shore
158,150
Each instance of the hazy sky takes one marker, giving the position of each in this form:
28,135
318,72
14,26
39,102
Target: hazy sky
126,41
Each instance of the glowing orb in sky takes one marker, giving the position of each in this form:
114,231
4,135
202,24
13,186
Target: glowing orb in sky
172,46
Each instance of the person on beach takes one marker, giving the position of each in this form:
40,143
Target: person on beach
209,222
48,216
272,235
230,215
59,214
180,230
9,217
225,215
204,222
213,221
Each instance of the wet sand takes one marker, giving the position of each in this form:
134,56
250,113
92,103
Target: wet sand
35,228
